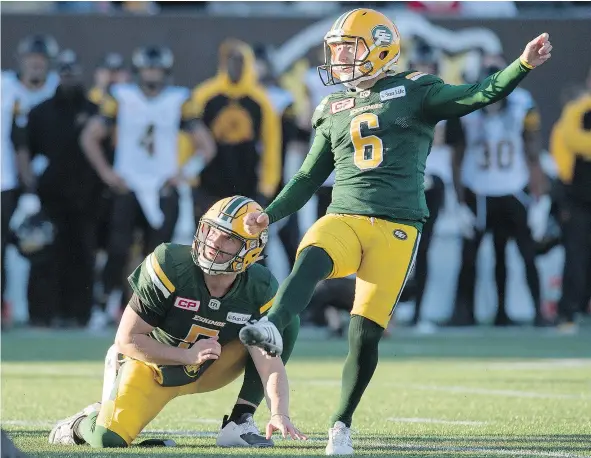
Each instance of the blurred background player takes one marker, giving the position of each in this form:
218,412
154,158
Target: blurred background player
570,145
33,83
110,70
500,180
294,140
246,129
61,275
448,136
148,115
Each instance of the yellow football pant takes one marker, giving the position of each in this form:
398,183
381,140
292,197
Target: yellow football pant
138,398
380,252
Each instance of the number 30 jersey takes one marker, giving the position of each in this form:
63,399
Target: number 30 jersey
494,161
378,140
146,151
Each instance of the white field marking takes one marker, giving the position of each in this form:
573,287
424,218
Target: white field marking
455,389
207,434
36,424
488,392
491,451
540,365
52,370
438,421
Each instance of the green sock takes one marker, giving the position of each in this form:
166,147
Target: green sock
313,265
252,388
97,436
361,363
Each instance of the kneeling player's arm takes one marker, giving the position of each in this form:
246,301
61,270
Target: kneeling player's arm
444,101
133,339
317,166
274,379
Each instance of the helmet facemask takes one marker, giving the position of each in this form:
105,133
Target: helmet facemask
346,73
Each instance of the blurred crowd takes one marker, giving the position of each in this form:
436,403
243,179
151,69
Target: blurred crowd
93,179
504,8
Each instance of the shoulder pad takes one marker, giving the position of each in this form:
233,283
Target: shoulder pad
421,78
323,108
109,107
320,111
161,267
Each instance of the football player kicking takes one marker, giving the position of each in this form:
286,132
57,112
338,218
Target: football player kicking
179,335
376,134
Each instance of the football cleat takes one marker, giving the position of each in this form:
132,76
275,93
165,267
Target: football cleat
63,432
242,433
339,440
263,334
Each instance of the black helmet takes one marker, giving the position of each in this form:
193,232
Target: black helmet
423,53
112,61
152,57
35,236
39,44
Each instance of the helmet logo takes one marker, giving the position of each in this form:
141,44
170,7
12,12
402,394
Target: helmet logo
382,36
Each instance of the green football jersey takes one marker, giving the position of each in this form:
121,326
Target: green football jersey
377,140
175,300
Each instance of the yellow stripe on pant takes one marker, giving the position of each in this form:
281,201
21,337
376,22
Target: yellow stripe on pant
138,397
382,254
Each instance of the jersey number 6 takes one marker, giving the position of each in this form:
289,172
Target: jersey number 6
369,149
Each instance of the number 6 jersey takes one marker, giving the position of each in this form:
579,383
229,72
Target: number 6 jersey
378,140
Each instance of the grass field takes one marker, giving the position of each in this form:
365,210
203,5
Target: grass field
478,393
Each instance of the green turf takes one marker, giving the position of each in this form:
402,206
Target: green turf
482,393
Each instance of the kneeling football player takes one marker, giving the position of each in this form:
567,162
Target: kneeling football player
179,335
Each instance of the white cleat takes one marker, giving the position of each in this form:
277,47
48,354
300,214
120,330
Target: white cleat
263,334
63,432
243,433
339,440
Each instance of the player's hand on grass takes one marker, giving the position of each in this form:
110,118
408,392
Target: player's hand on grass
283,424
537,51
203,350
255,222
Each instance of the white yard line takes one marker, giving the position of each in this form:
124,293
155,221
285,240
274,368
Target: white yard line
367,445
488,392
540,365
455,389
491,451
437,421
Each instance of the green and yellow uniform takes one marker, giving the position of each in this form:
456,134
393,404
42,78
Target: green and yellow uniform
174,298
377,140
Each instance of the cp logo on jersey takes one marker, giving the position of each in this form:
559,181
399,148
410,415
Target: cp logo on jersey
186,304
382,36
342,105
214,304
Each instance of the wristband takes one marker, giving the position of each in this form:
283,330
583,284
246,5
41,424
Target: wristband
525,64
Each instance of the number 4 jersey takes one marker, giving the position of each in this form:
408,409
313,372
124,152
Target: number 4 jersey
175,300
378,140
